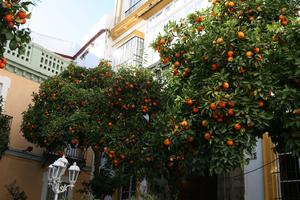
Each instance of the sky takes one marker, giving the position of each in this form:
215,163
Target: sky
69,20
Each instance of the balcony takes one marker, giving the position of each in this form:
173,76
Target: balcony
72,154
134,7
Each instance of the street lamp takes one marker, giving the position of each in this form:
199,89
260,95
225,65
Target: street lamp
55,172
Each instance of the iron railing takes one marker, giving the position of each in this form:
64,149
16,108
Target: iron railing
134,7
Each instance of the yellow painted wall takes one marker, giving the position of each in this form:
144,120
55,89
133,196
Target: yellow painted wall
27,173
17,101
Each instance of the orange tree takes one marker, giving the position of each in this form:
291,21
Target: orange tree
137,101
68,109
13,14
235,75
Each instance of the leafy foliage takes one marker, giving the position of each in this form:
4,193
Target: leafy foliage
4,129
13,14
233,79
15,191
68,109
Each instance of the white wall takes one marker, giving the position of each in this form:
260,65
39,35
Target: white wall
173,12
254,181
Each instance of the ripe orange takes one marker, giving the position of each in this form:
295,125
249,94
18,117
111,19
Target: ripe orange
281,17
237,127
200,28
241,35
230,112
213,106
177,55
222,104
110,124
207,136
242,70
177,64
230,53
249,54
155,103
214,67
184,123
22,14
225,85
230,4
256,50
195,110
9,18
189,102
166,60
204,123
229,142
251,18
284,22
230,59
220,41
167,142
261,103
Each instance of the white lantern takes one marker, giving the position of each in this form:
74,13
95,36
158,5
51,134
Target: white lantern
73,173
58,169
65,163
50,173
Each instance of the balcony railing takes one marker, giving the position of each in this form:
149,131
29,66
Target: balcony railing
134,7
72,154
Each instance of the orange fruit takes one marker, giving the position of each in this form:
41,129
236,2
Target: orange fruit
230,54
249,54
207,136
297,111
9,18
225,85
214,67
281,17
204,123
177,64
240,35
222,104
22,14
230,59
230,4
213,106
177,55
261,103
230,112
220,41
256,50
189,102
184,123
229,142
284,22
200,28
237,127
195,110
167,142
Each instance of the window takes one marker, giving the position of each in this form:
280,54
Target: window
130,53
288,177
